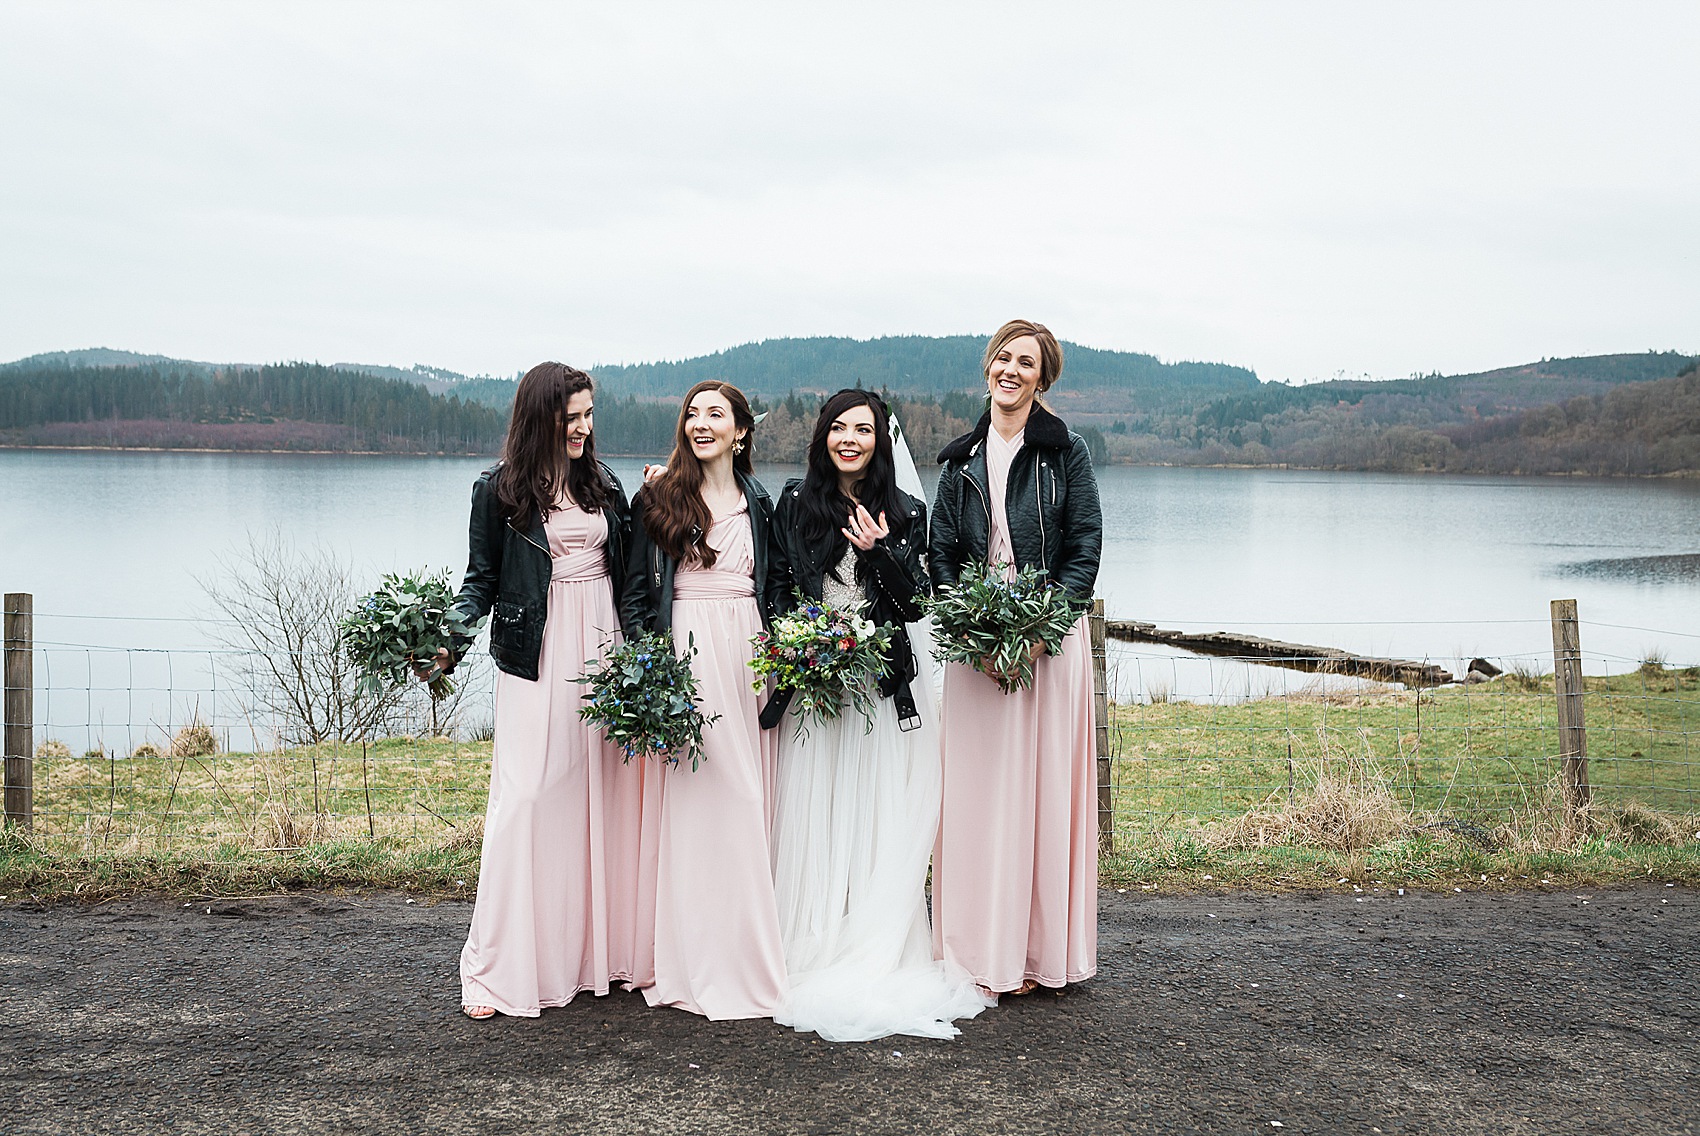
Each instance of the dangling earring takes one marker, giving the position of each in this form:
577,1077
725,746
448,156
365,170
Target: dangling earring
738,446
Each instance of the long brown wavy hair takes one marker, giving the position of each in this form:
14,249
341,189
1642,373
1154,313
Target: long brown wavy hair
535,466
674,513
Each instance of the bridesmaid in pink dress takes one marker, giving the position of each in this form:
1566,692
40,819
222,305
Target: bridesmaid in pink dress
1015,871
701,561
557,911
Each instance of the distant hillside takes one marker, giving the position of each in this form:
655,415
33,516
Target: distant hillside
1403,424
920,365
96,357
299,406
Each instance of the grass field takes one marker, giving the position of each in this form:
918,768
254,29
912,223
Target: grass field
1430,788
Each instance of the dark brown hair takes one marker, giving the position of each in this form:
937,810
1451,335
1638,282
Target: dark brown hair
674,513
1050,351
535,467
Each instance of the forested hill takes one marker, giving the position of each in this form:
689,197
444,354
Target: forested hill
292,406
1496,421
917,365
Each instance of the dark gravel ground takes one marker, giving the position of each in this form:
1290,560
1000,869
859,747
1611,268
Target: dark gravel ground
1501,1012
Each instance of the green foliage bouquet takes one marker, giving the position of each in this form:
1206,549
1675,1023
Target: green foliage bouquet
404,623
644,698
825,656
990,623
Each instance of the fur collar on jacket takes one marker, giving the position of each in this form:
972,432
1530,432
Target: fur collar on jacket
1043,429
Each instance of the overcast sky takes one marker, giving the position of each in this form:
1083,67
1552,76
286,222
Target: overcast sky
1305,189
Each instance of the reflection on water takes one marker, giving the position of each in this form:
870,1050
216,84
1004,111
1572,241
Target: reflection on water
1683,567
1428,568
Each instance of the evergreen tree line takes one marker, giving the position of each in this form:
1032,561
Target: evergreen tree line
379,413
916,365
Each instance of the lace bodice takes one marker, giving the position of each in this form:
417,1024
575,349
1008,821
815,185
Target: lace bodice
842,595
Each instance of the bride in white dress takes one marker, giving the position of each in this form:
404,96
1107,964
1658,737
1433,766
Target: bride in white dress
857,802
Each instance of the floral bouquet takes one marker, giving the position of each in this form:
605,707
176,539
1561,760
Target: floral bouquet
823,656
644,698
990,623
403,624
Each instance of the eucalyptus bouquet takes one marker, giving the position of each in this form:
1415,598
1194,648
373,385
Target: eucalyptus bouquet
990,623
825,656
645,699
405,622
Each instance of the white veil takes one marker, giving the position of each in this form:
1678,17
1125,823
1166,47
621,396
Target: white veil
927,676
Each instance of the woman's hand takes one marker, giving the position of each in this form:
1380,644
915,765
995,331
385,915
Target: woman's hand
864,532
652,472
425,671
1034,650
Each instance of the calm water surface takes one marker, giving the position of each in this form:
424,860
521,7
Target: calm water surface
1418,567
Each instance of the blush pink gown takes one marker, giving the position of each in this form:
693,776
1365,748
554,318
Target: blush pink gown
717,946
557,910
1015,871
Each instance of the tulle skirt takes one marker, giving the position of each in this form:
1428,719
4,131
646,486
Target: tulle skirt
856,816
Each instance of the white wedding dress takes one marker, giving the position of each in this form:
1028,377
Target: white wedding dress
856,815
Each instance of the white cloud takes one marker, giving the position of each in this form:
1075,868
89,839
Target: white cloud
1300,188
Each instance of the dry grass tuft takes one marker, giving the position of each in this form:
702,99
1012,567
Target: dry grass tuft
52,747
146,750
194,740
1347,808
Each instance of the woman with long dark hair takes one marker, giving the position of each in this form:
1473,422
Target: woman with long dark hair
700,567
858,800
1015,876
557,909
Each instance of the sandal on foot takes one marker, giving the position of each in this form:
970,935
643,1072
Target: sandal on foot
478,1013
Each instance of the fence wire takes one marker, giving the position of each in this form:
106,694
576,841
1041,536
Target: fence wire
158,749
1272,756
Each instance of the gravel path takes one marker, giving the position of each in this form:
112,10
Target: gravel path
1485,1012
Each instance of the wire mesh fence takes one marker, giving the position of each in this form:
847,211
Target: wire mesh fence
144,748
151,748
1329,759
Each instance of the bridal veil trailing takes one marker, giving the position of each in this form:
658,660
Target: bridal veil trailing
855,821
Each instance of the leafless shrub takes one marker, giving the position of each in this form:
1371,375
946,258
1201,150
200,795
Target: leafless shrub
279,607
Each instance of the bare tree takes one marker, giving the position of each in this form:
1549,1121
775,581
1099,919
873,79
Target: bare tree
278,606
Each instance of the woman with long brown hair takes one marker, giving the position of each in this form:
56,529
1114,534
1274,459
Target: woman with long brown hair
1015,875
557,909
704,567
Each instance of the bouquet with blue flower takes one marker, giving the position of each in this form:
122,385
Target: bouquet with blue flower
991,623
399,629
825,656
644,698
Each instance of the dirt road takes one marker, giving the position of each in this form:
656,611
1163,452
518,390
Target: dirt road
1485,1012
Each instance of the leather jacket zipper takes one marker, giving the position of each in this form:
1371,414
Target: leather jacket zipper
1039,504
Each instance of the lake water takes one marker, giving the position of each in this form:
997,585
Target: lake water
113,545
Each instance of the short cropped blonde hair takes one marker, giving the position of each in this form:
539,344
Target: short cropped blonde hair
1050,351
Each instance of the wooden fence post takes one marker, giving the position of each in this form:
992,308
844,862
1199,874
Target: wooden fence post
1567,687
19,655
1101,724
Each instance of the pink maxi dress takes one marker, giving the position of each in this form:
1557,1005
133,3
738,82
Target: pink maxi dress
1015,871
718,950
558,909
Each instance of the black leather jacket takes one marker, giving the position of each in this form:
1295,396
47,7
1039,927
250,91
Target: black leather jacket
1052,503
897,569
648,595
508,569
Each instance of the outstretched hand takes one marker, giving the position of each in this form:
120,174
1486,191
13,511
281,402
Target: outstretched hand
863,530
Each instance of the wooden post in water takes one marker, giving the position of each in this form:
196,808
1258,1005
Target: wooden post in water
1567,687
19,662
1101,724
